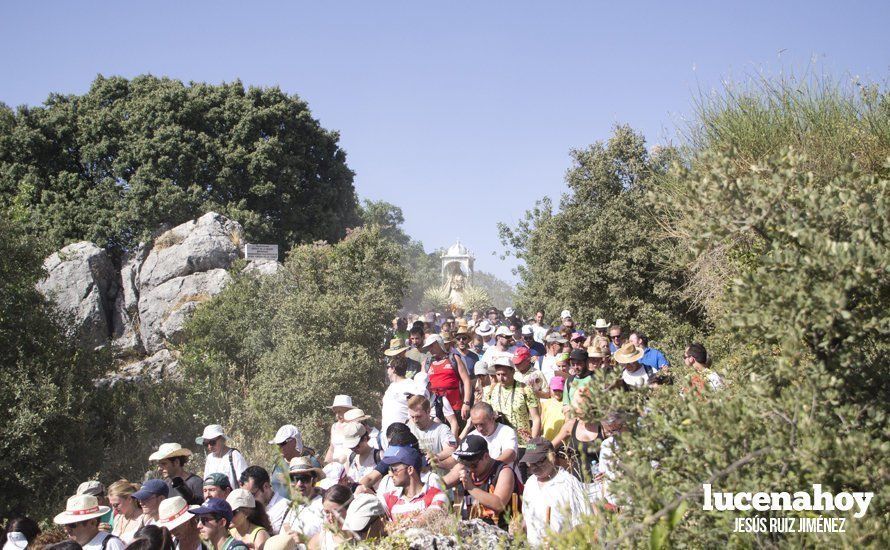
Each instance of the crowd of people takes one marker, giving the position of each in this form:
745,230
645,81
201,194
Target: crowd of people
480,419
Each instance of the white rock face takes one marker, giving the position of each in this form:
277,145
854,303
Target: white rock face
145,305
80,279
164,310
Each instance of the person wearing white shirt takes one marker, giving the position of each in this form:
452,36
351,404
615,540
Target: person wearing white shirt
504,347
501,439
256,481
554,501
395,399
539,329
81,523
221,458
306,519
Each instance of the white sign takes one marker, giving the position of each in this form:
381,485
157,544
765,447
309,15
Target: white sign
261,252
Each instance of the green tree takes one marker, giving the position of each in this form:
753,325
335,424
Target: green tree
131,156
602,254
48,436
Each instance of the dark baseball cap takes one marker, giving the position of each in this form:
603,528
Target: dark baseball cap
578,355
218,480
216,506
536,449
472,446
408,456
151,488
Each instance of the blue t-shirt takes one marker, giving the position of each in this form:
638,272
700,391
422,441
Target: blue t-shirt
537,349
469,360
653,358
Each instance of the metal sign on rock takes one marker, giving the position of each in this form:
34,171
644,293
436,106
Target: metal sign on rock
261,252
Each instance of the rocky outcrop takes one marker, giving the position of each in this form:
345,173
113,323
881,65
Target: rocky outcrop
80,279
142,308
474,533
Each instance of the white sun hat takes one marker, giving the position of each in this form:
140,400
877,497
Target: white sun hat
173,512
503,331
484,328
288,431
566,314
169,450
80,508
342,401
15,540
509,312
211,432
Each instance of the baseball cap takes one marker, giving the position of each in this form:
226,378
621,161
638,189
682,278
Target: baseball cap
527,330
555,337
363,509
433,339
557,383
566,314
216,506
472,446
151,488
288,431
502,361
403,455
578,355
536,449
217,479
241,498
578,334
521,354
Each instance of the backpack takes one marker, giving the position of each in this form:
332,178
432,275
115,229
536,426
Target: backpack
232,467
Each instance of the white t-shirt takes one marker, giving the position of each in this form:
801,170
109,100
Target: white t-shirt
608,466
435,438
96,542
502,438
539,332
214,464
493,353
548,367
636,379
395,403
276,510
564,496
359,467
306,518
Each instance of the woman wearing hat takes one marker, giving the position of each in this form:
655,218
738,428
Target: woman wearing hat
250,523
336,450
221,458
81,523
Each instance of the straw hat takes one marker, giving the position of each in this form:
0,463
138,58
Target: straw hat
342,401
396,347
80,508
169,450
302,465
601,323
462,330
173,512
628,353
355,415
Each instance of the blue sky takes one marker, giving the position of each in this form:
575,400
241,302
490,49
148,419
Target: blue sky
462,113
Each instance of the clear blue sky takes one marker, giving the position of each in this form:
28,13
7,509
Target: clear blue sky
462,113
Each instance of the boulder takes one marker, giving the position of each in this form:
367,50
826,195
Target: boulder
82,281
210,242
163,310
474,533
263,267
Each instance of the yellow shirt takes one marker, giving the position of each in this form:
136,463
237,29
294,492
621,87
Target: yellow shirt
552,418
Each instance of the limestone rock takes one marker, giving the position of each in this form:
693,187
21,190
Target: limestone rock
80,281
210,242
163,310
474,533
263,267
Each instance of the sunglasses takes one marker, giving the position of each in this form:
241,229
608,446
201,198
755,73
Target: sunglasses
301,478
462,338
204,520
211,442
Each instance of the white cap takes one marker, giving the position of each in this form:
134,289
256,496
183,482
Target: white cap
527,330
173,512
503,331
565,313
211,432
421,380
92,487
288,431
481,368
509,312
241,498
433,339
363,509
503,361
